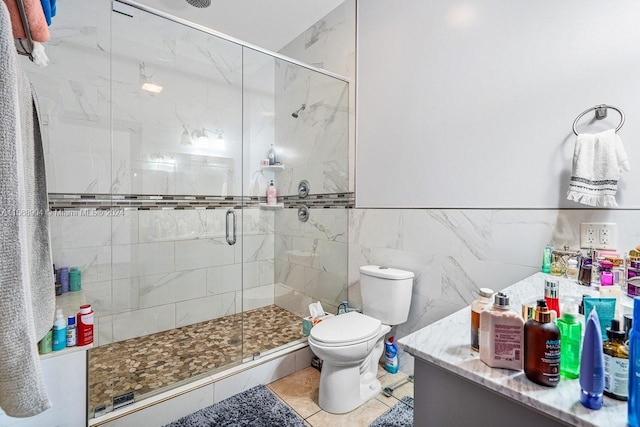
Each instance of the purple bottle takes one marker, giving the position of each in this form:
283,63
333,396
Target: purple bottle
64,279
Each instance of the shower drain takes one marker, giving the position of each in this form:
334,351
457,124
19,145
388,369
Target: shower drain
233,342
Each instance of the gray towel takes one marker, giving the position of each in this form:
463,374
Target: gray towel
27,296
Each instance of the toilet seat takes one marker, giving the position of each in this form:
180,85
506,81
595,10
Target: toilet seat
347,329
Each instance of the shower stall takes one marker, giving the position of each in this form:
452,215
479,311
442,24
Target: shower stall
156,131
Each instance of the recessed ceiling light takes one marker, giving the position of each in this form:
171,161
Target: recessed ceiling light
150,87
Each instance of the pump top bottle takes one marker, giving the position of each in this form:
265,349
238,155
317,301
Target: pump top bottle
501,335
542,347
570,340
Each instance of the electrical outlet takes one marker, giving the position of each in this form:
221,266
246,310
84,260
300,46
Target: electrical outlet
598,235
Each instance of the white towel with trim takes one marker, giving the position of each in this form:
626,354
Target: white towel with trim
27,300
598,160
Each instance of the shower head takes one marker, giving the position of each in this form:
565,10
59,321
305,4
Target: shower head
199,3
295,113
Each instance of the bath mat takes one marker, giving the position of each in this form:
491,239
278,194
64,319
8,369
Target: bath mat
256,407
401,415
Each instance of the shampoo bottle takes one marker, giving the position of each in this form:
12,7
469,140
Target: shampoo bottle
542,347
59,331
501,335
477,307
272,194
633,405
616,363
271,155
570,340
592,364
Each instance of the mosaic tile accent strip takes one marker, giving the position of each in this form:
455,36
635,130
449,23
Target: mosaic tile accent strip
58,201
336,200
148,364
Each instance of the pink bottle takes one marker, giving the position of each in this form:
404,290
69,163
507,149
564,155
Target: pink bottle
272,194
501,332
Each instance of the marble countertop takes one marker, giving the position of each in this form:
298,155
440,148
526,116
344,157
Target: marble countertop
445,343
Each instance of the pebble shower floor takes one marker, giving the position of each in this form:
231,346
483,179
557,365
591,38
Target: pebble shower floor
151,362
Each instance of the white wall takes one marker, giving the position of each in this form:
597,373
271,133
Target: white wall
470,104
454,252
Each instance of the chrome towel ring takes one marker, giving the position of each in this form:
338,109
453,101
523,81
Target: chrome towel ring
601,113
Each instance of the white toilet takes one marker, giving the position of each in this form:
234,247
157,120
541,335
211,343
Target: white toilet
351,344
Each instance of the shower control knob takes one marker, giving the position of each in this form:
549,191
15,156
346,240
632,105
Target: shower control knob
304,188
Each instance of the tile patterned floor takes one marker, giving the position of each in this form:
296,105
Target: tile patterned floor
300,392
153,362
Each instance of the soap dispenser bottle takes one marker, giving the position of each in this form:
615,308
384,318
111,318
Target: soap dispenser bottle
272,194
570,339
542,347
501,335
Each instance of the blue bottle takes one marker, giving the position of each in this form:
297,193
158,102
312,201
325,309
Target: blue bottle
390,356
592,364
633,404
59,331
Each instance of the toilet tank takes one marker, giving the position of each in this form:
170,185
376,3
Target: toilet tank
386,293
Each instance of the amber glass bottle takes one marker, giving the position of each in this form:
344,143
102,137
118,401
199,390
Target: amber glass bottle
542,347
616,363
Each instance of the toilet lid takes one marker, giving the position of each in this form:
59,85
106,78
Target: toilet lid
346,328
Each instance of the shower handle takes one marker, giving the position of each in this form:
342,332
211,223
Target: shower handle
231,239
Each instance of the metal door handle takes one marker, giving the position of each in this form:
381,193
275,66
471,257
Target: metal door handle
231,239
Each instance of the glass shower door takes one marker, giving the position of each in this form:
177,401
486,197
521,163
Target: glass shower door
170,309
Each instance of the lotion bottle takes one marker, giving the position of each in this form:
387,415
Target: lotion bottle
501,335
542,347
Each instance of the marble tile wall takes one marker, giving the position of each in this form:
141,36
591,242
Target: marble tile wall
454,252
311,259
330,44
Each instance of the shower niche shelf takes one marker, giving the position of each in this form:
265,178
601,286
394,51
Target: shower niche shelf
274,168
272,207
